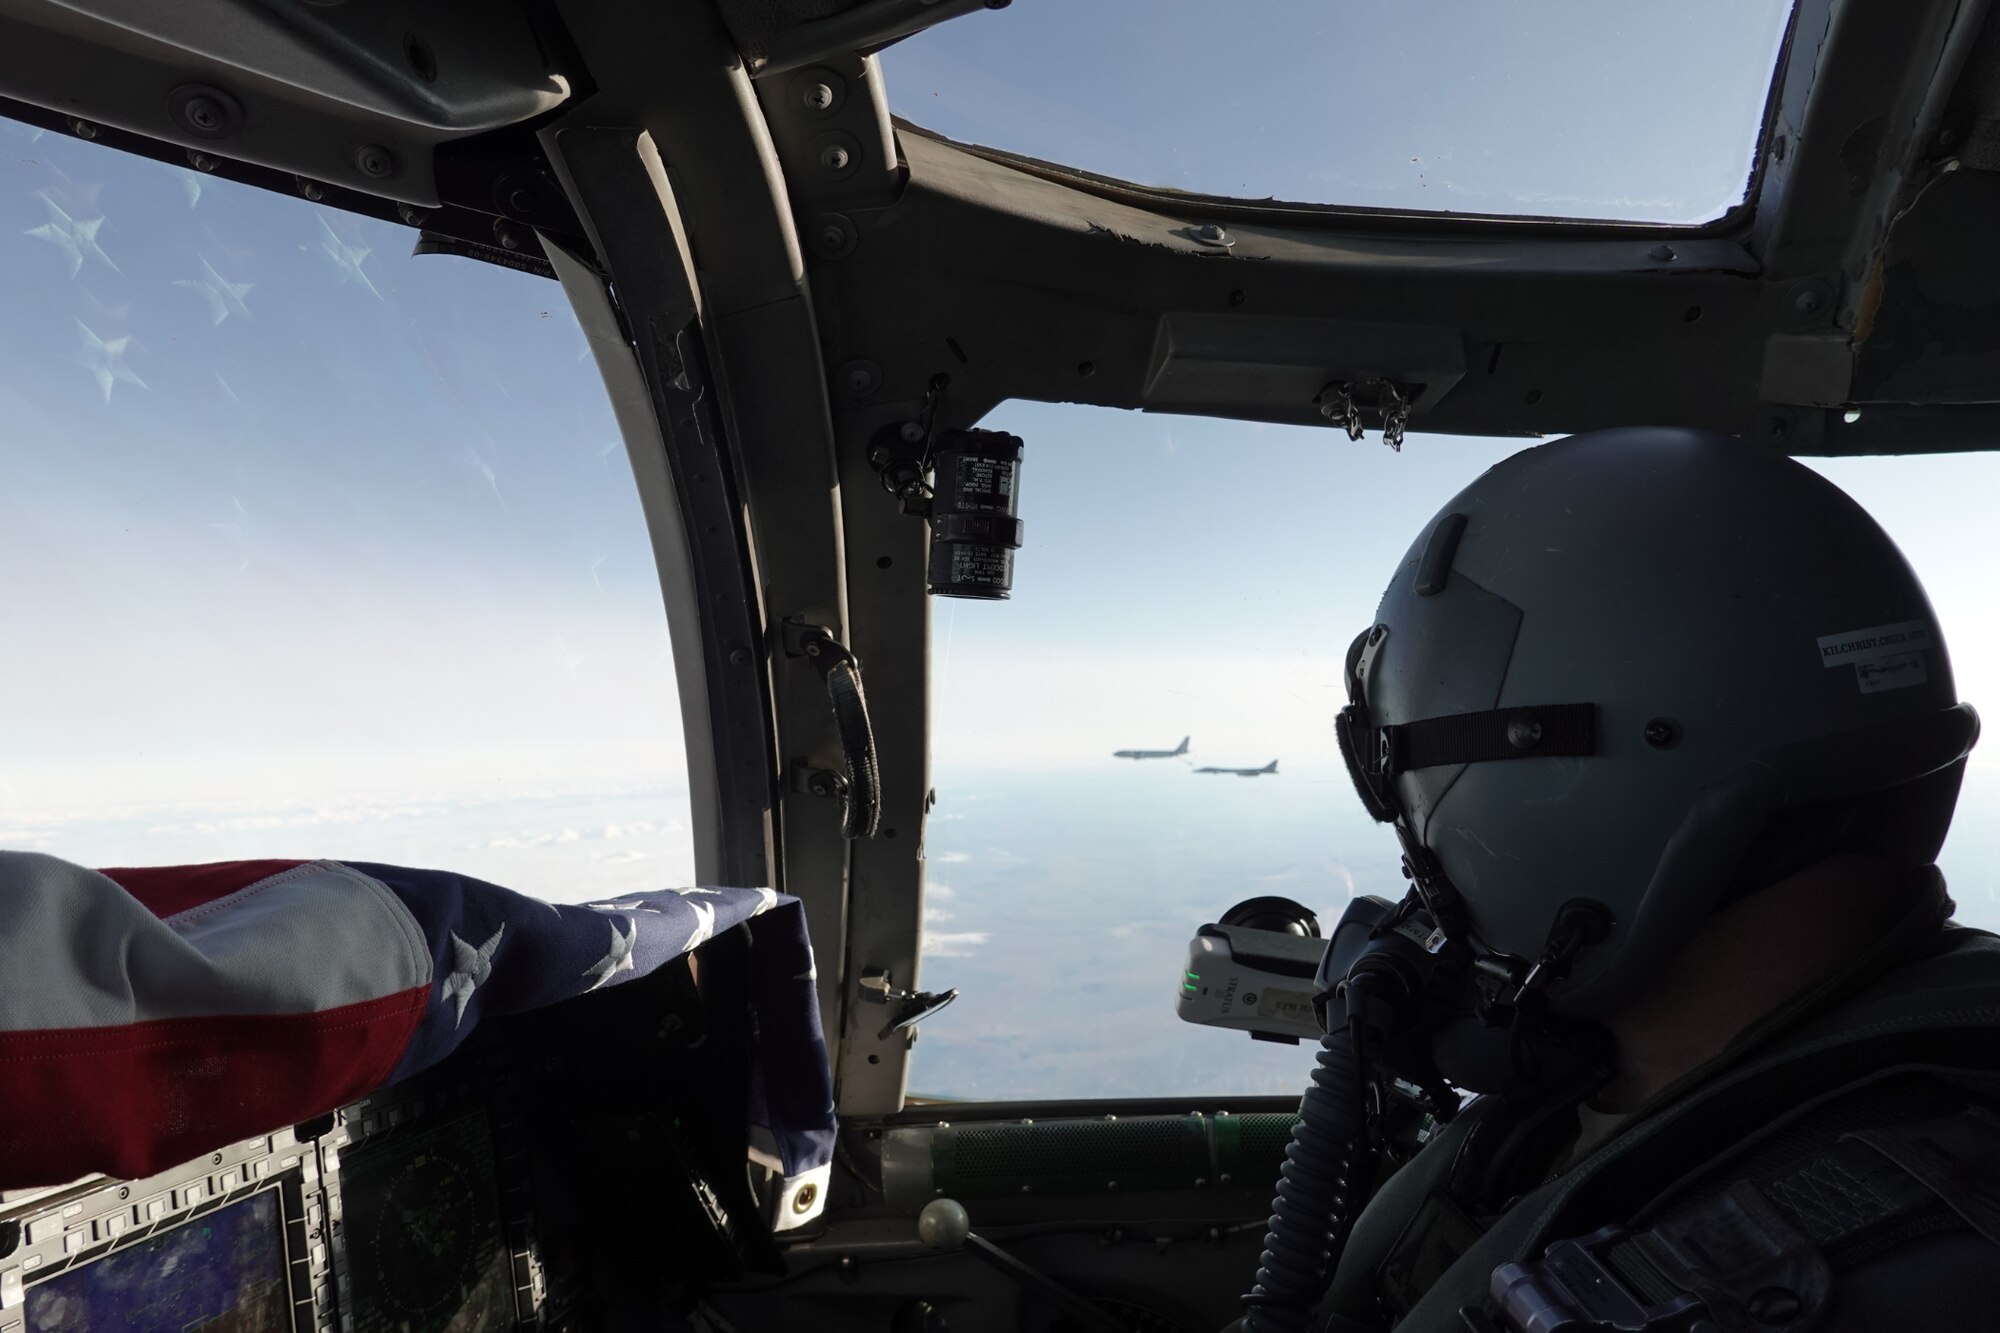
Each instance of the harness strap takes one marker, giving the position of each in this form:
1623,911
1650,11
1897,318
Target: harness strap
1844,1192
1957,1159
1763,1254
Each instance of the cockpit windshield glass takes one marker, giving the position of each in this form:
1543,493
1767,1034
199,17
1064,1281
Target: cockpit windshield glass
1186,593
310,547
1612,110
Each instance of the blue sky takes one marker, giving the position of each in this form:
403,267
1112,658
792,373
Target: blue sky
356,568
290,511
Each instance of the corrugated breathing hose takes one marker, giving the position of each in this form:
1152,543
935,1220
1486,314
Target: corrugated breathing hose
1327,1167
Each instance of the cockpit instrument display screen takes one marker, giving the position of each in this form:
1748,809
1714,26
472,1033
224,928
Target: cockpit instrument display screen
423,1232
222,1272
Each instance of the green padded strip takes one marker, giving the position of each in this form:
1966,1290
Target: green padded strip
1096,1155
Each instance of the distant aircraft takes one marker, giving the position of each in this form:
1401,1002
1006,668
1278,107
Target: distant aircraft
1271,767
1152,754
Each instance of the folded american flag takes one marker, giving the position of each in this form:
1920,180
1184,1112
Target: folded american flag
149,1015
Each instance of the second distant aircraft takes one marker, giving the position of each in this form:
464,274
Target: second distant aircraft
1271,767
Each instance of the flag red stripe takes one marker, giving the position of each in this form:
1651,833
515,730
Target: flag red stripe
167,890
130,1101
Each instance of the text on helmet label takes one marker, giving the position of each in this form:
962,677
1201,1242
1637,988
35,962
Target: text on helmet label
1873,645
1887,657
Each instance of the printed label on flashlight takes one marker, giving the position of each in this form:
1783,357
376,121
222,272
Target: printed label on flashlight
984,483
980,564
1292,1005
1417,932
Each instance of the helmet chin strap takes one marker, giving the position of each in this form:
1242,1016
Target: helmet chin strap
1428,880
1483,1022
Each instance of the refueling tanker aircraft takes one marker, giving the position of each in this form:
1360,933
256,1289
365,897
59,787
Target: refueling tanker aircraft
1271,767
928,357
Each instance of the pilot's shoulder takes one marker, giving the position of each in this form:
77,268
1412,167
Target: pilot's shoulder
1956,982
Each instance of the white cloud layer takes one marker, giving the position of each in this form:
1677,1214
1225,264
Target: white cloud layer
953,944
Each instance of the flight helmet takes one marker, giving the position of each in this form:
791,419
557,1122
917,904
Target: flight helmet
1628,675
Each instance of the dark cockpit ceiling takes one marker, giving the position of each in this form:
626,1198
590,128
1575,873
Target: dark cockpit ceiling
773,274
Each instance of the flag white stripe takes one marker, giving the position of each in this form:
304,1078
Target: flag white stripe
78,951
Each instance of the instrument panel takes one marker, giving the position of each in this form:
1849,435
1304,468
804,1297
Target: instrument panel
405,1213
567,1169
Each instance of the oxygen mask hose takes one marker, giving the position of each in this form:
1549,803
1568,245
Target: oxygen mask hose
1328,1165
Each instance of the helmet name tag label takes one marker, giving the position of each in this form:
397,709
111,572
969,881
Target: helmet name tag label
1875,645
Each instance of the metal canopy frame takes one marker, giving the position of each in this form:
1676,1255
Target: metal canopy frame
773,272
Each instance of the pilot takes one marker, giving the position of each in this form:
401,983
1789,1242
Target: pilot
1667,728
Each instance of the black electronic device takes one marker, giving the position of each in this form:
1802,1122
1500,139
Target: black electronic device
428,1210
422,1244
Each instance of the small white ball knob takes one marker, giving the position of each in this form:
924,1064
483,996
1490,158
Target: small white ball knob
944,1224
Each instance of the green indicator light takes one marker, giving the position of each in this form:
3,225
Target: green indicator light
1189,986
1194,976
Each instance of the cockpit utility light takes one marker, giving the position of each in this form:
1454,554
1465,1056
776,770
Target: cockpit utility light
974,528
